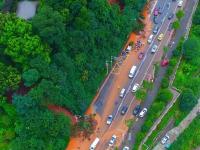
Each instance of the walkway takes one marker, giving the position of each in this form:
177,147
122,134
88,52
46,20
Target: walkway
175,132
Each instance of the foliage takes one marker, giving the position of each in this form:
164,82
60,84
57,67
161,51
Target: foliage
18,41
9,78
176,25
187,100
8,119
180,14
189,138
164,95
30,77
129,123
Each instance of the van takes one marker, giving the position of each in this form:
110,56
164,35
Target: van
122,93
150,39
94,144
132,72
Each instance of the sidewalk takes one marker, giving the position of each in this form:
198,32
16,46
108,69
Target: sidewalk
175,132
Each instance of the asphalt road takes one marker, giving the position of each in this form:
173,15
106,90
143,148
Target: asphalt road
142,68
152,94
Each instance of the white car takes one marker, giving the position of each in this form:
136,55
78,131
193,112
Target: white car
165,139
135,87
143,112
180,3
112,140
126,148
154,48
109,120
122,93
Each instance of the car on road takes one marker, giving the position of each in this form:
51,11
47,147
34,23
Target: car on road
156,12
155,29
141,55
154,48
168,5
160,37
160,10
156,20
165,139
126,148
136,110
112,140
180,3
164,62
143,112
132,71
109,120
124,110
135,87
122,93
150,39
170,27
94,144
170,16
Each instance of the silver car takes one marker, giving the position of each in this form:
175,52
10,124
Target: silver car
154,48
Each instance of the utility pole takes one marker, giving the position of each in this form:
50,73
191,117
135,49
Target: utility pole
106,67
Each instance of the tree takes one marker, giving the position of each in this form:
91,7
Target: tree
50,26
191,48
164,95
30,77
187,100
176,25
20,45
10,78
180,14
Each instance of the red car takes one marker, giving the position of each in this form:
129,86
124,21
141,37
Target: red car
141,55
164,62
156,12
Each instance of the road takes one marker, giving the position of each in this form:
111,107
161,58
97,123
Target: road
152,94
143,66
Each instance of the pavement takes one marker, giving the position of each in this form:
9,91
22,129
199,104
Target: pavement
152,94
175,132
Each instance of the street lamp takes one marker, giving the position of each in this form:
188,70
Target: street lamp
107,66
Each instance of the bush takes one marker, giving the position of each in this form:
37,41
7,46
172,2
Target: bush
165,83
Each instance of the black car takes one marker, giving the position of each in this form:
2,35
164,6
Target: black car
156,20
170,16
136,110
124,110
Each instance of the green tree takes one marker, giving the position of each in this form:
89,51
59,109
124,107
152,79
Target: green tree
191,48
10,78
19,42
176,25
164,95
187,100
180,14
30,77
50,26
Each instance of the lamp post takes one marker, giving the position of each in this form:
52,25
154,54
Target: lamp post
106,67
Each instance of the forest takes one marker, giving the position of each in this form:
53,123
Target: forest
57,58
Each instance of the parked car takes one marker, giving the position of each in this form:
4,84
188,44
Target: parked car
160,10
168,5
143,112
112,140
109,120
154,48
164,139
164,62
170,16
124,110
136,110
122,93
135,87
156,20
155,29
180,3
150,39
160,37
141,55
126,148
170,27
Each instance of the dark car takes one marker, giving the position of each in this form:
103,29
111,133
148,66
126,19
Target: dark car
160,10
170,16
170,27
124,110
156,20
136,110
